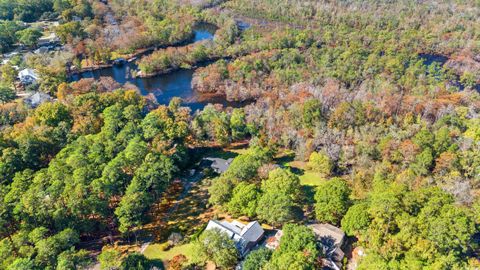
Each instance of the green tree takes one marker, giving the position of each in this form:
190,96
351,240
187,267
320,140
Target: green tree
221,190
275,208
312,113
52,113
109,259
423,162
257,259
156,172
9,74
29,37
72,260
468,79
297,250
244,200
49,248
238,124
332,200
214,245
68,31
424,138
7,35
131,210
245,166
135,261
356,220
319,162
283,181
7,94
22,264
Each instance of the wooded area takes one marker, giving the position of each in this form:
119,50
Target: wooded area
378,101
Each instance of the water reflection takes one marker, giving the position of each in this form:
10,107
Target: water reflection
164,87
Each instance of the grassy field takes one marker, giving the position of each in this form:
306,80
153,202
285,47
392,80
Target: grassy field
307,177
155,251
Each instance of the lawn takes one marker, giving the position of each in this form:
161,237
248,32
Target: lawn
155,251
309,178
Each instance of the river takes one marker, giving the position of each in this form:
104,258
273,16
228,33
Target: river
163,87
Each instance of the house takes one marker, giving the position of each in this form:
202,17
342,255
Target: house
219,165
42,50
331,239
36,99
49,40
245,236
28,76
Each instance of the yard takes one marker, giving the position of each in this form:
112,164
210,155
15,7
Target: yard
307,176
185,213
156,251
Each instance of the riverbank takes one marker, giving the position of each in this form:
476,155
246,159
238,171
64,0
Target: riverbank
201,31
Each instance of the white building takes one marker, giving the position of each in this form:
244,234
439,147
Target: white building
28,76
36,99
245,236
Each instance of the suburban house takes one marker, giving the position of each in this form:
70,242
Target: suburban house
49,40
28,76
36,99
219,165
245,236
331,239
42,50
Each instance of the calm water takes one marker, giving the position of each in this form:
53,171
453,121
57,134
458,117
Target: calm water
164,87
429,59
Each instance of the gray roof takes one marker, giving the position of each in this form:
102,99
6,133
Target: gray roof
326,230
243,235
37,98
42,50
28,72
252,232
220,165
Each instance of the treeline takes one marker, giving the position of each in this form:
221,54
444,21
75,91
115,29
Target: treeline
119,29
66,178
294,56
382,17
27,11
31,11
407,192
169,59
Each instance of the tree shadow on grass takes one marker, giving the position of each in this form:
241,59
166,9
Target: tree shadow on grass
157,263
283,160
309,193
297,213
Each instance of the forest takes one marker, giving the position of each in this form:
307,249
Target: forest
363,115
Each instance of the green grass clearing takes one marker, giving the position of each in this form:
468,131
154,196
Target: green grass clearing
309,178
155,251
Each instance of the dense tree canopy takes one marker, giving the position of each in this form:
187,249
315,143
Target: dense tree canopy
362,114
126,159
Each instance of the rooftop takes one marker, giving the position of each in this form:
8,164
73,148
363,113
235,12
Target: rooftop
219,165
326,230
244,235
37,98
